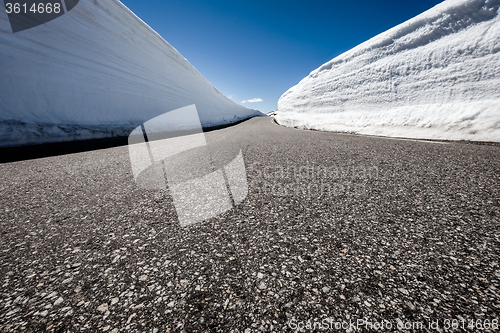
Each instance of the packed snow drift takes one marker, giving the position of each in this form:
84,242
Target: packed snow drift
97,71
435,76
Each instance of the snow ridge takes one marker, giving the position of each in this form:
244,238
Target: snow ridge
97,71
435,76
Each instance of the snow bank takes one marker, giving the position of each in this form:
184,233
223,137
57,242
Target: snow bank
97,71
436,76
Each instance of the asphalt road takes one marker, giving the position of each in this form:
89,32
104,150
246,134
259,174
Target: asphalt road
335,229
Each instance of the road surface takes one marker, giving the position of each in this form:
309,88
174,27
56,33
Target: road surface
336,228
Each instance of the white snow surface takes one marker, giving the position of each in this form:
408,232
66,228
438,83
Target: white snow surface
97,71
436,76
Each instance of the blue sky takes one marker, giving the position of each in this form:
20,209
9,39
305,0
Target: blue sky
258,49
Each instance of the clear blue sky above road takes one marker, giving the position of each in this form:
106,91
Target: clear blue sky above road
256,49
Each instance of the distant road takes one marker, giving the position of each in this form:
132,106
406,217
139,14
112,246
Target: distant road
335,227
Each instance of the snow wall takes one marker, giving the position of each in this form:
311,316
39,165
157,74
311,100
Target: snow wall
436,76
97,71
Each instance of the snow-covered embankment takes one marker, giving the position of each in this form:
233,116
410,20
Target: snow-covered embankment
97,71
435,76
